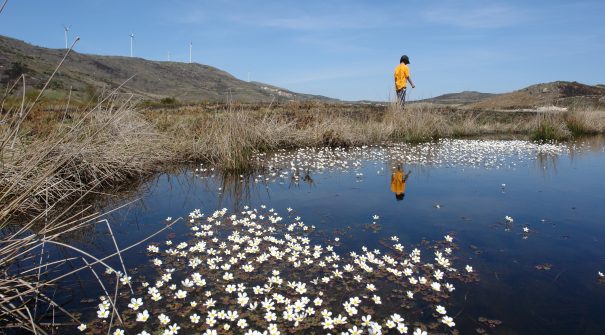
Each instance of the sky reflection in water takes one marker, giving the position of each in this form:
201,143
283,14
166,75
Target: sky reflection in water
557,195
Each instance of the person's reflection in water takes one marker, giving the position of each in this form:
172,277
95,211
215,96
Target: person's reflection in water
398,181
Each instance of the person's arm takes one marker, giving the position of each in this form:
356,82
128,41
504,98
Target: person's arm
411,83
405,178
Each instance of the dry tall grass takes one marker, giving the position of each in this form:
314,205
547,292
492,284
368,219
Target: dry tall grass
564,125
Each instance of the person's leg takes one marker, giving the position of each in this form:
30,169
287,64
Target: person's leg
401,97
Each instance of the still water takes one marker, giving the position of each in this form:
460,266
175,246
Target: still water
537,274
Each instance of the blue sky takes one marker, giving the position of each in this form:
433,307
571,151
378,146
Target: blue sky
342,49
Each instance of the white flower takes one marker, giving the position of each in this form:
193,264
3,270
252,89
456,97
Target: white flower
601,274
135,303
508,219
142,317
194,318
526,229
174,329
144,333
436,286
242,323
419,331
469,269
181,294
375,217
118,332
125,280
402,328
103,313
355,331
441,310
82,327
448,238
448,321
164,319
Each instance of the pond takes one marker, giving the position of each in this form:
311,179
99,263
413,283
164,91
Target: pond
528,218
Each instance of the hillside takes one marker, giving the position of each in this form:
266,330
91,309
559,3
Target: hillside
90,74
462,98
558,93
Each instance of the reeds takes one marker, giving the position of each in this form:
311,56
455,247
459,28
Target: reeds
564,125
50,163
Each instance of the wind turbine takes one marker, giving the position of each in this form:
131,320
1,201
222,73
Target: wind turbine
131,38
65,29
190,46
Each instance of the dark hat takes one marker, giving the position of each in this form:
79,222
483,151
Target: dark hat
404,59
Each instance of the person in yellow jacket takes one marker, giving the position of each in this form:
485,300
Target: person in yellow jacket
398,181
402,76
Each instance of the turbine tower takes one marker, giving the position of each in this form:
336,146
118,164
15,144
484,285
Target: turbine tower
65,30
190,46
131,39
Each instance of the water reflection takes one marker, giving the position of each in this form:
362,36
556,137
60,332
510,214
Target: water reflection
337,189
398,182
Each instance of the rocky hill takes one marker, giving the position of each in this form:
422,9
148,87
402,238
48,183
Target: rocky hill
87,75
462,98
558,93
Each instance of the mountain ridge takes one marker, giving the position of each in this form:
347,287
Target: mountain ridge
85,74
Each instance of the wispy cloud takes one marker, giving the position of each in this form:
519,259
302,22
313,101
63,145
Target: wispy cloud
476,15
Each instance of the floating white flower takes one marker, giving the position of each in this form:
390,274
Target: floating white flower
164,319
448,321
103,313
419,331
135,303
143,316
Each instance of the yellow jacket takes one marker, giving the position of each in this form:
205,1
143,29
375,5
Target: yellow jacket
402,73
397,183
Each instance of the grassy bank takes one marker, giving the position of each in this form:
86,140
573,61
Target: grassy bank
55,155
